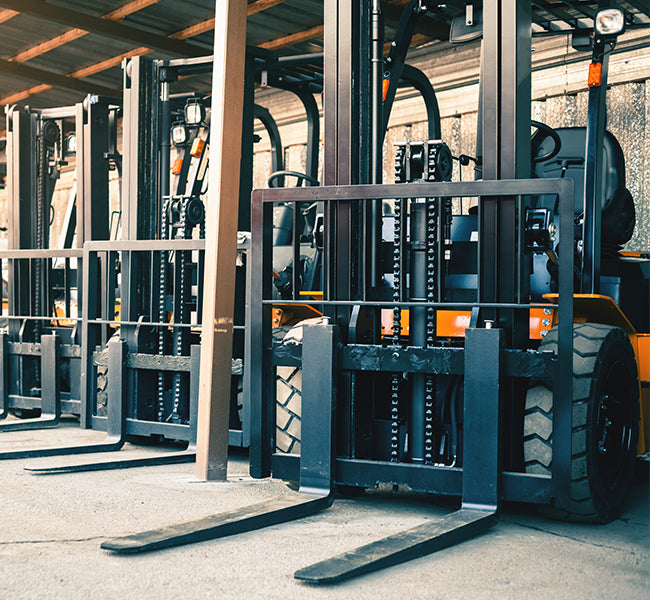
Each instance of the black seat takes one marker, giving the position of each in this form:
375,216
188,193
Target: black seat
618,215
572,157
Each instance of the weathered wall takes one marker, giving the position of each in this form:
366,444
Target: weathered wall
559,95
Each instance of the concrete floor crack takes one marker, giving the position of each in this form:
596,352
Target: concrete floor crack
562,535
53,541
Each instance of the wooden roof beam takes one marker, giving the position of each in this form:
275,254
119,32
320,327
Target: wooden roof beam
259,5
5,15
75,34
117,15
202,27
294,38
54,79
111,29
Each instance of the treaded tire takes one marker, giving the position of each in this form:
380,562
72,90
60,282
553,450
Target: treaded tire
604,420
288,409
101,387
288,393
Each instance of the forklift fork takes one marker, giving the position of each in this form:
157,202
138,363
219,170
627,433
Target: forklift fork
481,477
316,465
481,474
115,435
169,458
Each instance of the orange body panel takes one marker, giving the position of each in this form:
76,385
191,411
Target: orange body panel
387,322
643,342
291,314
634,254
452,323
643,364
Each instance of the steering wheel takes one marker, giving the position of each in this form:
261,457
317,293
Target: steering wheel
543,132
275,178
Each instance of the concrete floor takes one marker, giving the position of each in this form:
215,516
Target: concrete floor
51,528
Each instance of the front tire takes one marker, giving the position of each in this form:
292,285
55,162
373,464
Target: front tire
605,422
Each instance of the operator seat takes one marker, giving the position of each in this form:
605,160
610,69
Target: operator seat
624,279
618,216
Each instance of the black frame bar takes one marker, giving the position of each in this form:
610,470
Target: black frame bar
262,458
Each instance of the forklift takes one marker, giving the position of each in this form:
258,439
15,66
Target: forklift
140,362
162,264
522,370
40,345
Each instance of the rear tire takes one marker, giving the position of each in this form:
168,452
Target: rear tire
605,422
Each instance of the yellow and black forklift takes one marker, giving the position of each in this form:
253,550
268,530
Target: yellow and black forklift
524,367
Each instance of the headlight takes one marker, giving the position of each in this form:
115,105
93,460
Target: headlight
194,112
609,22
179,134
71,144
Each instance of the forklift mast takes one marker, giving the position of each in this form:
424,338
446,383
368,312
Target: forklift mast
44,275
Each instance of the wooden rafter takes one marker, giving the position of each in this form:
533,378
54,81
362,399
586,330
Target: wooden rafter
294,38
260,5
194,30
111,29
75,34
53,79
189,32
5,15
109,63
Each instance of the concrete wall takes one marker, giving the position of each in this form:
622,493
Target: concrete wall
559,93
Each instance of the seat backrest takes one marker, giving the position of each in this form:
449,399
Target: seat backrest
572,155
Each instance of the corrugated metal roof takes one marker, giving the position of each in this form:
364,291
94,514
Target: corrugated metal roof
76,51
31,40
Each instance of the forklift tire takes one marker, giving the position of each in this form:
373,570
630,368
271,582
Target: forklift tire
288,409
101,398
605,425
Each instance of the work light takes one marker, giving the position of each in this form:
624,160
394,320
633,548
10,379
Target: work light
609,22
71,144
179,134
194,112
